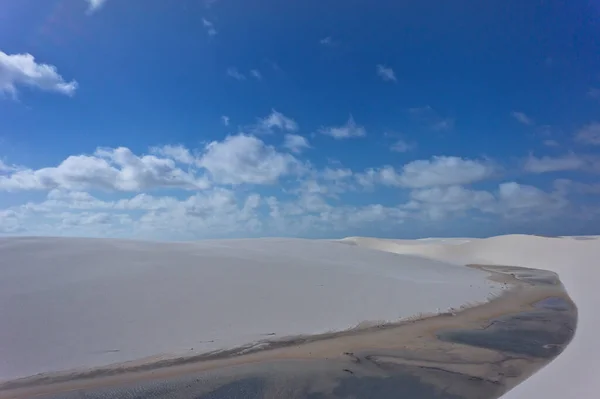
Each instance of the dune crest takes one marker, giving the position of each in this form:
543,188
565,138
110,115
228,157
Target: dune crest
574,373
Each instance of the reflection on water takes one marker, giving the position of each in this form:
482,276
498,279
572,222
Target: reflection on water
457,358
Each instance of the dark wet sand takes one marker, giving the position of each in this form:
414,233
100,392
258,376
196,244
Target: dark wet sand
479,352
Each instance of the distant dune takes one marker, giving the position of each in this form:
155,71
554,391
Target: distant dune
577,261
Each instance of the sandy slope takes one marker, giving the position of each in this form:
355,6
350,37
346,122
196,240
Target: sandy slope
73,303
574,373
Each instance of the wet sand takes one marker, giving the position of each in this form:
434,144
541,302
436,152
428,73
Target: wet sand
478,352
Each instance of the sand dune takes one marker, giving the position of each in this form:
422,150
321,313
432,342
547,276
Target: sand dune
575,372
84,303
81,303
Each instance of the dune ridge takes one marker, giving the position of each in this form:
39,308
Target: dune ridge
573,373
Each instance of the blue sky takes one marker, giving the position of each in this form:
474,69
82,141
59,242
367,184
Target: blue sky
193,119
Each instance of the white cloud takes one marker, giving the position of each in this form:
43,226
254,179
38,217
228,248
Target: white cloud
439,171
234,73
386,73
551,143
256,74
147,202
85,219
295,143
567,186
246,159
402,146
7,168
225,120
327,182
349,130
510,200
522,118
336,174
207,214
311,212
22,69
443,170
589,134
219,211
515,198
204,214
95,5
553,164
175,152
210,27
108,169
441,202
10,222
58,194
276,120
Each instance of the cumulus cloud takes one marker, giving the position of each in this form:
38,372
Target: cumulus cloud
515,198
177,153
521,117
209,26
336,174
509,200
10,222
567,186
443,170
329,182
95,5
115,169
386,73
349,130
276,120
217,211
553,164
22,70
225,120
589,134
311,212
204,214
438,171
295,143
441,202
70,220
234,73
246,159
7,168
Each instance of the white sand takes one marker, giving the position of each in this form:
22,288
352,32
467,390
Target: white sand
576,372
78,303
